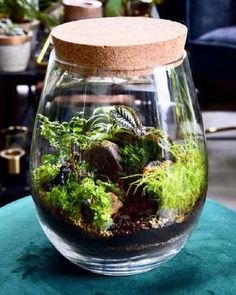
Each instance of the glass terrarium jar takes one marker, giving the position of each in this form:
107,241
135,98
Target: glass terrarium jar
118,159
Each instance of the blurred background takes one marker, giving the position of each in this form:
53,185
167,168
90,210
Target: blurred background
211,46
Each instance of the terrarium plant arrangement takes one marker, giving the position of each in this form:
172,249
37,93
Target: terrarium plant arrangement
118,160
107,174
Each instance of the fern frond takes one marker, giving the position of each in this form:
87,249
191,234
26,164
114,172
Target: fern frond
97,122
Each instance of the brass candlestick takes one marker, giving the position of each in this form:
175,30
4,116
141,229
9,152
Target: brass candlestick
13,157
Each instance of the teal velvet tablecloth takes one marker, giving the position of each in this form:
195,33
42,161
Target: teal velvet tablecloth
30,265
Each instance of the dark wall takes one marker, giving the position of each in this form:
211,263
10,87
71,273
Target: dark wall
173,10
206,15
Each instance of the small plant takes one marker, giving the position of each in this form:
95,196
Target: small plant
45,172
21,11
79,133
99,200
72,199
7,28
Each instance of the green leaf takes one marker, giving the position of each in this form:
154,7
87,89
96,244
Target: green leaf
50,159
114,8
125,117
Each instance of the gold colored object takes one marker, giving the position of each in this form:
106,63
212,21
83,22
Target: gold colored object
220,129
13,157
15,136
40,60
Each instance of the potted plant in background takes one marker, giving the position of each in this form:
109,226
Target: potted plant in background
24,13
21,11
14,47
131,7
28,14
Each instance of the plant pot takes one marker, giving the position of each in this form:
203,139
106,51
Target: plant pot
32,26
15,52
118,157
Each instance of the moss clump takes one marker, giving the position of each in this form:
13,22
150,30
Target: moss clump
69,199
177,185
45,172
133,158
60,199
100,202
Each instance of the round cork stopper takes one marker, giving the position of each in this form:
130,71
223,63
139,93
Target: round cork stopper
126,45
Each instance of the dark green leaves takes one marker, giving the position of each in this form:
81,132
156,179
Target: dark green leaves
133,158
125,117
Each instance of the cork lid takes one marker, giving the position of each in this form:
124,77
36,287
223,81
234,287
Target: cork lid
125,45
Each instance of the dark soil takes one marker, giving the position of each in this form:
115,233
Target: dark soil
130,238
135,214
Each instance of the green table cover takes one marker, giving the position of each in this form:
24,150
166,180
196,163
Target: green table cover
30,265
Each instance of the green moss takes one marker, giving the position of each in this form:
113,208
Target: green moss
45,172
151,145
133,158
100,201
62,198
68,199
177,185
